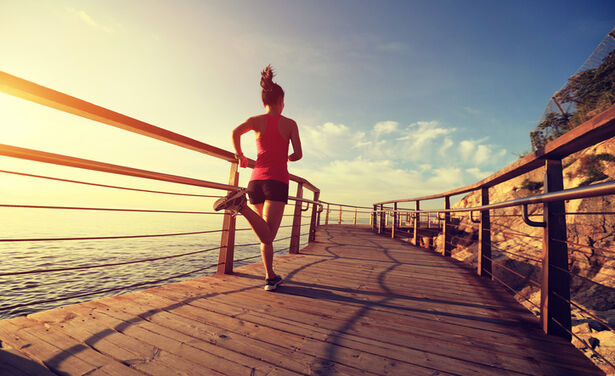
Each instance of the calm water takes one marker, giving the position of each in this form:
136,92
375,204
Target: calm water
31,288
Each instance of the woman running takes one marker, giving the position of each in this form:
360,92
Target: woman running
268,187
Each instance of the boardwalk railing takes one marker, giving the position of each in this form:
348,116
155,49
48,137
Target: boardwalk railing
555,302
30,91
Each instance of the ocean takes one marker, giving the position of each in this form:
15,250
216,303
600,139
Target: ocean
38,291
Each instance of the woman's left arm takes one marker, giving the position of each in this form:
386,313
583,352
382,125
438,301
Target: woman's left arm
296,141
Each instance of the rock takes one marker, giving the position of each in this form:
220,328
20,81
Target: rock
581,328
606,338
595,325
594,342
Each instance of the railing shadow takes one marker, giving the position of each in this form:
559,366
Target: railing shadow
12,364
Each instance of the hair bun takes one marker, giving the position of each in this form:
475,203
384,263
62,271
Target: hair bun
267,78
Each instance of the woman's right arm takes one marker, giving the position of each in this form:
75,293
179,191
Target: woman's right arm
242,128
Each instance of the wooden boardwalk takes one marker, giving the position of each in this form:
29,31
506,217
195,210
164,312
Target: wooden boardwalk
353,303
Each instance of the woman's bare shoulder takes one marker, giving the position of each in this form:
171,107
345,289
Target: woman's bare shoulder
288,121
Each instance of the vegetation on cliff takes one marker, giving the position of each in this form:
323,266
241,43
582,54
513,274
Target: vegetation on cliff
590,92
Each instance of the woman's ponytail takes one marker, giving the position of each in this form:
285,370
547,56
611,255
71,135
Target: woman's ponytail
272,93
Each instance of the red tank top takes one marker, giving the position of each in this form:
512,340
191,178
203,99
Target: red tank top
272,153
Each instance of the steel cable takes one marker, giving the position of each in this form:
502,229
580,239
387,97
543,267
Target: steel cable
513,233
107,186
585,311
110,237
516,254
105,265
513,271
584,343
106,209
106,290
585,246
510,288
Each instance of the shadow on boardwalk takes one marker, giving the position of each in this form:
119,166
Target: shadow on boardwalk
352,303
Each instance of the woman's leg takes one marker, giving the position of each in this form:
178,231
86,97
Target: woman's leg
265,222
273,211
257,222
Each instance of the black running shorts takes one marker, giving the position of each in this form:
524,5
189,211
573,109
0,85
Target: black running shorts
272,190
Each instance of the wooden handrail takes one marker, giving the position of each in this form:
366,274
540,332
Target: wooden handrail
593,131
33,92
87,164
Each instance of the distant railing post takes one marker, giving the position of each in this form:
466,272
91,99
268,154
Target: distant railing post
373,219
446,229
381,223
555,279
227,240
295,236
327,216
484,237
354,220
394,221
339,221
417,223
313,220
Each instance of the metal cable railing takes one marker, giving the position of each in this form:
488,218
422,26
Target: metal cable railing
108,186
495,227
105,291
107,209
30,91
150,259
111,237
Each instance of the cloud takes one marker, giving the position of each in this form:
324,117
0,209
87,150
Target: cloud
466,148
385,127
89,20
421,132
365,181
445,178
477,173
389,160
446,144
330,140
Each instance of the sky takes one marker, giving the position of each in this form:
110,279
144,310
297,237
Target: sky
394,99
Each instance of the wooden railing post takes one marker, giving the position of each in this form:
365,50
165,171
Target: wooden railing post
354,220
227,239
313,221
446,228
417,223
327,216
295,236
394,228
484,237
555,279
339,221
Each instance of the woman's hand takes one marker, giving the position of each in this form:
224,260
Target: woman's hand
242,160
